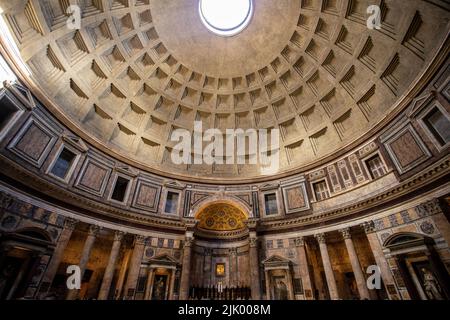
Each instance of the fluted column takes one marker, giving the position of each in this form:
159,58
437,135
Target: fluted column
356,266
135,265
329,274
254,267
186,268
380,259
52,268
109,272
303,266
85,254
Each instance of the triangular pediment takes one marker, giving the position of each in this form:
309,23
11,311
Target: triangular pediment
174,185
276,259
127,170
419,103
164,259
75,142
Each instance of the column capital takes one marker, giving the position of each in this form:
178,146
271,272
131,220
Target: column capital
346,234
188,242
253,241
207,251
369,226
299,242
70,223
233,251
321,237
94,230
5,200
140,239
252,223
118,235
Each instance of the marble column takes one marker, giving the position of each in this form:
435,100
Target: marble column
186,268
290,285
329,274
380,259
122,273
267,277
23,270
207,267
254,267
172,284
149,286
52,268
233,267
303,267
85,254
135,266
356,266
109,272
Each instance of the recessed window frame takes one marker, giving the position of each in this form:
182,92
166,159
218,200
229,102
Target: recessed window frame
178,203
72,167
20,110
367,168
277,198
423,123
116,176
324,179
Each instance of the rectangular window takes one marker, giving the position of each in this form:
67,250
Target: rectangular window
271,204
269,244
321,190
120,189
298,286
376,167
280,243
438,125
63,164
171,202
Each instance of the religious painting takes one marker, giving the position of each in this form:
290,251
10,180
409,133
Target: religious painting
220,270
159,287
428,280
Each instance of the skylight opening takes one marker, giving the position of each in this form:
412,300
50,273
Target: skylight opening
226,17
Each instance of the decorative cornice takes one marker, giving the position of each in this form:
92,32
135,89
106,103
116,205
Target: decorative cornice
416,182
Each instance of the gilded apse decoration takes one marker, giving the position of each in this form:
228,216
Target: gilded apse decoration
221,217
